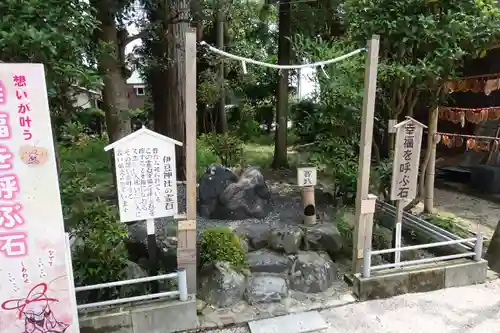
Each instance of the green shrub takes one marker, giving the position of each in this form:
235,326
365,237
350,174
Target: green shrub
91,216
85,176
449,222
244,124
99,254
221,244
227,147
204,156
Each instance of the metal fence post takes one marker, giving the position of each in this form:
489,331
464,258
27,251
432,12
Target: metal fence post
367,263
478,247
182,284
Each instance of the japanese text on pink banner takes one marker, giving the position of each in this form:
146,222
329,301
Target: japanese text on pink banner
13,242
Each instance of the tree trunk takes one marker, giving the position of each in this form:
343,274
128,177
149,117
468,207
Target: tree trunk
431,167
284,52
114,93
178,23
221,106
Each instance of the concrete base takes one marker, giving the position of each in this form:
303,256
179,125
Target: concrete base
393,282
163,316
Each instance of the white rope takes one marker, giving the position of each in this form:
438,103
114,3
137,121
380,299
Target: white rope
265,64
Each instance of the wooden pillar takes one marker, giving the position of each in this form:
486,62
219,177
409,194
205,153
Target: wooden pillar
309,204
365,204
431,166
186,233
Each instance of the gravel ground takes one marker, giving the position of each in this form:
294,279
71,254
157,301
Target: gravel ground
477,214
287,208
471,309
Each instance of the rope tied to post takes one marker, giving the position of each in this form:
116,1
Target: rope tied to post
245,60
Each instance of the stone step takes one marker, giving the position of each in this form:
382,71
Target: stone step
292,323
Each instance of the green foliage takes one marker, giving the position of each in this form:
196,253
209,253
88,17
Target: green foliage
102,255
227,147
204,156
344,228
381,176
72,131
448,222
332,120
85,176
422,43
99,254
221,244
54,33
243,122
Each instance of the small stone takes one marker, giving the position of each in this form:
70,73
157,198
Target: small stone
257,235
268,261
266,289
220,285
171,242
200,305
324,237
244,244
131,272
286,238
313,272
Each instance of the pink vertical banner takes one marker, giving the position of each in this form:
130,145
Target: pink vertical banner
36,288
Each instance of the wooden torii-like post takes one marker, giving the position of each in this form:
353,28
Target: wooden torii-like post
365,202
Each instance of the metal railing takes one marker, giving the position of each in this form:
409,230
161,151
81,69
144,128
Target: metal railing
181,289
368,253
415,223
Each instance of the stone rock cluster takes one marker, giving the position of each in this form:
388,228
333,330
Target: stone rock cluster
280,259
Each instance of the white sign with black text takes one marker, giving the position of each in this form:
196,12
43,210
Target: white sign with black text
146,175
406,159
306,176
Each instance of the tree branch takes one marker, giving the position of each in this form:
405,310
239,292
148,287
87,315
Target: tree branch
132,38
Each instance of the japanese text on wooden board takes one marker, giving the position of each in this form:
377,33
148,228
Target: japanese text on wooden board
306,176
146,182
32,239
406,161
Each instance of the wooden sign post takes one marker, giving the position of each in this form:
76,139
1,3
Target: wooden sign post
186,231
306,178
146,181
365,202
405,172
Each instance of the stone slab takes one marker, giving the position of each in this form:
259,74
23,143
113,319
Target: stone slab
165,316
465,274
119,322
391,282
381,285
292,323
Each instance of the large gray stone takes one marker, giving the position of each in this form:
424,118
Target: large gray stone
211,185
134,271
313,272
137,246
268,261
223,195
287,238
220,285
266,289
257,235
324,237
493,253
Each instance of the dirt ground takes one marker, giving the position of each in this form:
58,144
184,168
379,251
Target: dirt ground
478,214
